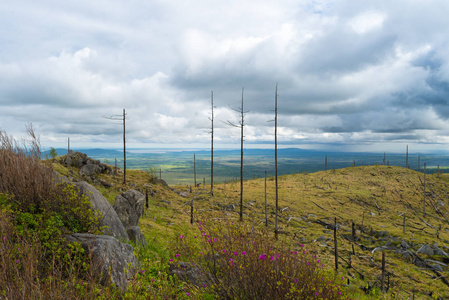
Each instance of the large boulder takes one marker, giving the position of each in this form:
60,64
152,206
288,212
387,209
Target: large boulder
110,219
136,235
129,207
113,261
90,169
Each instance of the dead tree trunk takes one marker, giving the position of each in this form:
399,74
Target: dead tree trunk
124,148
276,160
123,119
240,125
194,170
424,193
212,145
241,159
406,158
266,213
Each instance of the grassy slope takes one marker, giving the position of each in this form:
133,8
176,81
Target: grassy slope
374,195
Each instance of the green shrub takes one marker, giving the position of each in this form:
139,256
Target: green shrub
236,264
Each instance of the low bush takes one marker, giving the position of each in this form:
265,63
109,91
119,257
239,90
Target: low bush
32,190
29,271
234,262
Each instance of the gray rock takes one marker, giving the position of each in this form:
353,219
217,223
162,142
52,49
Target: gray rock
105,183
58,178
80,160
426,249
380,234
129,207
322,239
114,261
109,216
438,251
136,235
437,268
90,170
230,207
404,245
186,272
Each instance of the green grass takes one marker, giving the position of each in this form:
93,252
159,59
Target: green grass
373,195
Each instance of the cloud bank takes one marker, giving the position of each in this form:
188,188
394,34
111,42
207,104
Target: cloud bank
371,75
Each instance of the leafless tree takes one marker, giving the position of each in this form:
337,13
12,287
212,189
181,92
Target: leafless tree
194,170
212,144
406,158
276,159
123,119
240,125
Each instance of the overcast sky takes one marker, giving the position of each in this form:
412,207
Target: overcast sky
352,75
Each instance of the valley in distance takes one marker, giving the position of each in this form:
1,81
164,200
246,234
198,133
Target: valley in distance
176,166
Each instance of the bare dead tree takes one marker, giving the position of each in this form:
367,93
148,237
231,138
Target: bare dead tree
424,193
276,159
406,158
123,119
240,125
194,170
266,213
212,144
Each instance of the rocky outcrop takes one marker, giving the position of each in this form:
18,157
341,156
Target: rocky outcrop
113,261
87,165
431,250
109,217
129,207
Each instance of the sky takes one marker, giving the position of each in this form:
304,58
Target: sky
352,75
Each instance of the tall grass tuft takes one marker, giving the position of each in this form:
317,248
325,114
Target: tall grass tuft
31,187
235,262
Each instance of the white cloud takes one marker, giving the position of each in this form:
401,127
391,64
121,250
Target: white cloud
367,22
348,72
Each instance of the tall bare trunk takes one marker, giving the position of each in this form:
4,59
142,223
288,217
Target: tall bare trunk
276,160
124,148
212,145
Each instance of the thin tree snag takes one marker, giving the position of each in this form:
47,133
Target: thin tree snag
276,159
212,145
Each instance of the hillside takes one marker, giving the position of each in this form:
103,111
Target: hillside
376,198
